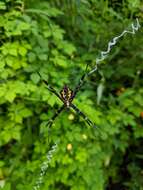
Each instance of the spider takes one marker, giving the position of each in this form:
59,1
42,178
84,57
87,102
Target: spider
67,96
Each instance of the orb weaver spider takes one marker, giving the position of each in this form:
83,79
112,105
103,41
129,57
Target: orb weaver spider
67,95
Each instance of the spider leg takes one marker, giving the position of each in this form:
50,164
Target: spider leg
81,82
50,122
88,121
50,88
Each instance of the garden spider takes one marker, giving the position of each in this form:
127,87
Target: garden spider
67,95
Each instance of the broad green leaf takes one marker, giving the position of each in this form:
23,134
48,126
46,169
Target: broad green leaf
43,57
13,52
22,50
2,6
7,186
1,163
10,96
31,57
35,78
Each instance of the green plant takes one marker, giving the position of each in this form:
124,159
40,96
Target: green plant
58,38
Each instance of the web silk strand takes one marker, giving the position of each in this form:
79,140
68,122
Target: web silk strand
45,166
134,28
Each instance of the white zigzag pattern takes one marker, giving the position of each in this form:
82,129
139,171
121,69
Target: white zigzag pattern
45,166
104,54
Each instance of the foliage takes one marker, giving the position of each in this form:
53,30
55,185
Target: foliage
58,38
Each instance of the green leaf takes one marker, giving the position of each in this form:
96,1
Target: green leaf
68,48
1,163
10,96
136,110
13,52
2,64
31,57
2,6
35,77
25,112
58,33
22,50
7,186
81,156
43,57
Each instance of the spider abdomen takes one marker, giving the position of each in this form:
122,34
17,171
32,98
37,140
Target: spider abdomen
67,95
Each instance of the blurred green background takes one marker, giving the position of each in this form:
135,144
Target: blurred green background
58,38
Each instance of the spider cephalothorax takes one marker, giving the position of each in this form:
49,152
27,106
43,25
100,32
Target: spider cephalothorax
67,95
